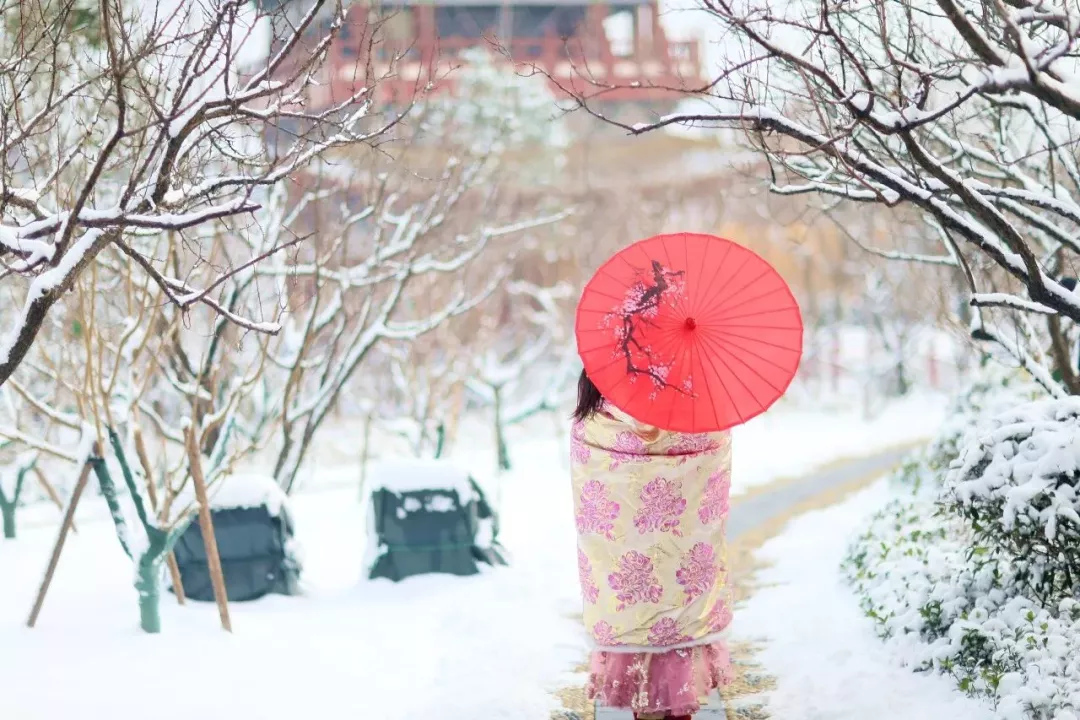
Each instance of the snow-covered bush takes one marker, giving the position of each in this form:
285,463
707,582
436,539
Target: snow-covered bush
973,575
993,389
944,602
1015,484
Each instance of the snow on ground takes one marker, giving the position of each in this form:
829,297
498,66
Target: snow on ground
492,646
457,648
823,651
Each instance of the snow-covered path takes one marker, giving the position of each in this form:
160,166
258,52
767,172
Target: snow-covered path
818,644
756,510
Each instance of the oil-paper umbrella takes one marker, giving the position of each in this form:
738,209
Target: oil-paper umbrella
689,332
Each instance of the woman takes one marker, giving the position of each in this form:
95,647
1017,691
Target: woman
651,506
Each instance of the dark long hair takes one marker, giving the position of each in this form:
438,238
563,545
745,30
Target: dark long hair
589,399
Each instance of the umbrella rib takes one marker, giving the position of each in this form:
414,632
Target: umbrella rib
738,380
728,308
632,266
762,327
723,386
756,340
671,337
720,348
621,282
634,394
679,304
605,366
690,347
704,264
709,391
599,311
707,299
719,303
622,378
671,410
723,321
762,358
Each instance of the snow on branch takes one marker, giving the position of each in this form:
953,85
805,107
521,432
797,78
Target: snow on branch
973,135
150,124
1005,300
388,273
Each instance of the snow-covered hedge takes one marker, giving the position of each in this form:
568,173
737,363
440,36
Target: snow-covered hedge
1015,484
995,388
945,603
977,573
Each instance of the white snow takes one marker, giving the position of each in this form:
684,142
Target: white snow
828,662
492,646
240,490
401,476
439,503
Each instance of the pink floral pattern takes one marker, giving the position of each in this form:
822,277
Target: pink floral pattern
719,616
698,571
655,288
662,504
589,590
628,448
604,634
579,451
688,445
643,554
597,513
635,580
714,501
665,632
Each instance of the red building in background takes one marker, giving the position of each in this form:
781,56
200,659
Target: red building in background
579,44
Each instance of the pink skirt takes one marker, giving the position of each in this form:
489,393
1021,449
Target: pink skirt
671,682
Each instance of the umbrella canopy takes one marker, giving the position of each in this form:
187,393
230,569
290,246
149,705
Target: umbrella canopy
689,332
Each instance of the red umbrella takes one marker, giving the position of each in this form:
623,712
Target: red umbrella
689,332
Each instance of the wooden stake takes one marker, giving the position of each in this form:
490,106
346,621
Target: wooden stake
206,524
151,491
58,548
51,492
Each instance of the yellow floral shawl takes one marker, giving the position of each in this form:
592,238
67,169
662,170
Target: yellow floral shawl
651,507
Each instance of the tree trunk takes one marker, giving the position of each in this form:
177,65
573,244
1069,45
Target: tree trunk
501,448
365,454
1059,350
292,453
7,510
148,585
151,491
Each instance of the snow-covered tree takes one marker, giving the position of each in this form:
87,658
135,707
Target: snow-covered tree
526,368
126,378
391,268
123,122
962,110
404,246
427,377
